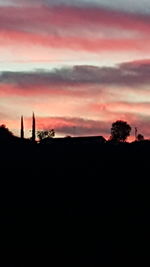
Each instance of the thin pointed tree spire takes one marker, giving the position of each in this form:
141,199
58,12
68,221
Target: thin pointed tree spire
22,128
33,127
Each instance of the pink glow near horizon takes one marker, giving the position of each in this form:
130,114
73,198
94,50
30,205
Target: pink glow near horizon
98,71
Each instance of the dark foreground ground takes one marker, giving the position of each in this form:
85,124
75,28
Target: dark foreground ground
69,205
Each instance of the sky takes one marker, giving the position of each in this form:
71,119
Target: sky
79,65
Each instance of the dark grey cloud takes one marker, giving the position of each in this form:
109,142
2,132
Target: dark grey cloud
132,74
85,127
74,126
127,6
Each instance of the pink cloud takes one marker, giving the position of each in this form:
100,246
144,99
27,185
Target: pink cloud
69,27
75,43
69,125
81,92
69,17
122,107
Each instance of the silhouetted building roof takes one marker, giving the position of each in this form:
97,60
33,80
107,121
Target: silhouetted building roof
75,140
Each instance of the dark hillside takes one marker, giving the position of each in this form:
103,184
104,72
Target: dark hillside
81,203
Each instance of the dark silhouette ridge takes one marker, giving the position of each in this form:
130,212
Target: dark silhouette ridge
5,134
78,200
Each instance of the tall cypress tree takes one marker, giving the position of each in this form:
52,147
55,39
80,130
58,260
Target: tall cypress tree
33,127
22,128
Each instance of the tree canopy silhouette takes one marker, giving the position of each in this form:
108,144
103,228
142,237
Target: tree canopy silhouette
5,134
140,137
45,134
120,130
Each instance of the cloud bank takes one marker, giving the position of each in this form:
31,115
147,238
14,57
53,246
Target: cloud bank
131,74
95,73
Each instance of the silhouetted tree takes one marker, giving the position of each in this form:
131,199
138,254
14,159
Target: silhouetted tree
4,132
120,131
140,137
22,128
45,134
33,127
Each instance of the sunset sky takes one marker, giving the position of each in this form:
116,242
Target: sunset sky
78,64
